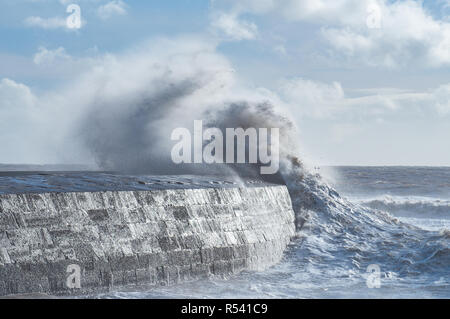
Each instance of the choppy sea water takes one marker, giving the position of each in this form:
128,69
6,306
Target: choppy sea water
396,219
418,195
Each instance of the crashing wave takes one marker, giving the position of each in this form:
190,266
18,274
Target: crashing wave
411,207
335,231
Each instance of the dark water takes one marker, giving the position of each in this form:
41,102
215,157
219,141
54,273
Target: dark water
433,182
17,182
419,195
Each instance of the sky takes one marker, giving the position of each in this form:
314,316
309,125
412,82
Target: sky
366,81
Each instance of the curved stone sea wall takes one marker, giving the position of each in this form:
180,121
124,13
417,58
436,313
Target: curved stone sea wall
120,238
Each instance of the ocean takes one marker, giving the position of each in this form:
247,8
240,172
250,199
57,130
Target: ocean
368,232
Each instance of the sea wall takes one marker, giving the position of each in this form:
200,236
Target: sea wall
158,237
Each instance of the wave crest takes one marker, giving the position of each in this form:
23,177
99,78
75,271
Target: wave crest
411,207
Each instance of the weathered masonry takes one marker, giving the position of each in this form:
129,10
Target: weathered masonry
156,237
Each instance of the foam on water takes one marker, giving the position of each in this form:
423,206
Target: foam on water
420,207
424,212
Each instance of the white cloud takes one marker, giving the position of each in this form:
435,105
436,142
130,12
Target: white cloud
115,7
14,95
280,49
73,21
233,27
315,11
57,64
17,111
407,34
45,56
441,96
46,23
312,99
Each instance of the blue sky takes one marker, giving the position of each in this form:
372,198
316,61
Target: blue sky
142,19
361,95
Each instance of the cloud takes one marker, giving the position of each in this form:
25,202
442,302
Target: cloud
280,49
441,97
314,11
35,128
73,21
233,27
313,99
46,23
17,109
14,95
45,56
407,32
57,64
115,7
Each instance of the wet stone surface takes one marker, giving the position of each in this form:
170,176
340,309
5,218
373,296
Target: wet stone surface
139,237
